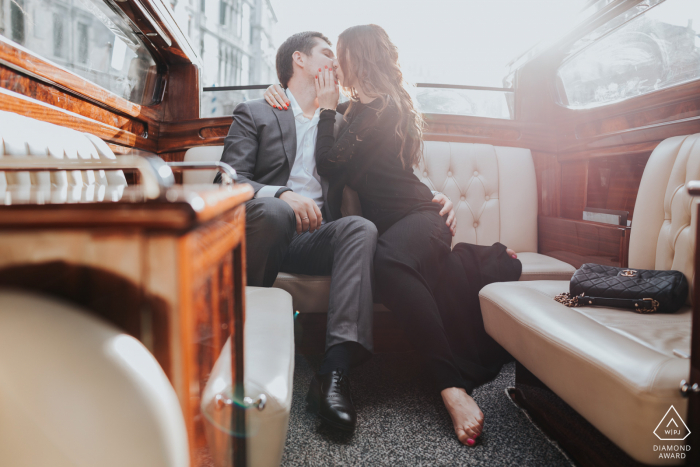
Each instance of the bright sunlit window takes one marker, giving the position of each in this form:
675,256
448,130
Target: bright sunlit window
462,42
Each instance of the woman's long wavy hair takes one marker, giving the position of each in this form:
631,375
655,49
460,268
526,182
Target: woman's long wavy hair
371,61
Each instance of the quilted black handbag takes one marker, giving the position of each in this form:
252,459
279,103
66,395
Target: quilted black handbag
643,290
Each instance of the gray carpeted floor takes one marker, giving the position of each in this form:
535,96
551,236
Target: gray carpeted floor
401,422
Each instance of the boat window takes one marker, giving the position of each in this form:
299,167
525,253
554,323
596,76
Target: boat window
464,100
237,44
654,50
429,98
85,37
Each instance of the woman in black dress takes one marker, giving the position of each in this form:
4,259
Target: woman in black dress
432,290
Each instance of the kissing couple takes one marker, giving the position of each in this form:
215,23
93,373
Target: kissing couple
299,150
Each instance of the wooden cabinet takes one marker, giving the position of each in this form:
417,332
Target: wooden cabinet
170,272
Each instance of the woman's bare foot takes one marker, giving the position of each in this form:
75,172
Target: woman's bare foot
467,419
511,253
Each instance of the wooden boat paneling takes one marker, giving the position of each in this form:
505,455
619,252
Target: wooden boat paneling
499,132
574,179
613,182
182,135
548,173
18,103
577,242
29,64
162,271
36,89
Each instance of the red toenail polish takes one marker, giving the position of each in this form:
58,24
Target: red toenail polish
470,442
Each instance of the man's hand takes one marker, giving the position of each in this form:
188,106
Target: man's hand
306,211
448,209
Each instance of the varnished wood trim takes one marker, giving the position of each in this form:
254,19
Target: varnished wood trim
185,341
150,215
577,241
20,84
674,112
220,201
648,134
216,238
182,135
240,455
622,150
95,215
214,132
23,105
33,65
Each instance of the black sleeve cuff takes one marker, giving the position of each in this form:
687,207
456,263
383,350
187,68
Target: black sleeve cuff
282,190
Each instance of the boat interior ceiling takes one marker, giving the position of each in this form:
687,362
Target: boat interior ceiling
590,130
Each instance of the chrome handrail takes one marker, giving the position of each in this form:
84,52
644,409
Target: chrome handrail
156,175
228,173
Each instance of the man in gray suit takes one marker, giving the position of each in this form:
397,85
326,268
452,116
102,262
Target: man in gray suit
289,226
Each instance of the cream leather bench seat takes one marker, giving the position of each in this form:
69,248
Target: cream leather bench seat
494,191
269,368
74,390
615,367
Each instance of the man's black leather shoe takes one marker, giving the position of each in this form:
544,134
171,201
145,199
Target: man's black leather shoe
329,396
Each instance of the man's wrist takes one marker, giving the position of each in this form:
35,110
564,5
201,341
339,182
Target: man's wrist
284,189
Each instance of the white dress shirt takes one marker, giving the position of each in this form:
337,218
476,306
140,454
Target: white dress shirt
304,178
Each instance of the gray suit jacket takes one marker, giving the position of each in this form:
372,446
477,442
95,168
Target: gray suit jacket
262,145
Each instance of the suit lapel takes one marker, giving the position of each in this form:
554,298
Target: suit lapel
285,118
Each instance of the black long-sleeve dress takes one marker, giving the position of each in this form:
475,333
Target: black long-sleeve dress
432,290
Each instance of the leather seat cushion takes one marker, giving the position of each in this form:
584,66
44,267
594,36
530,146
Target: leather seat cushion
311,293
269,364
614,367
537,267
269,368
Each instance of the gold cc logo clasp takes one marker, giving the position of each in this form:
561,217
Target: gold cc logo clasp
628,273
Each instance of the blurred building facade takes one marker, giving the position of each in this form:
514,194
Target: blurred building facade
232,37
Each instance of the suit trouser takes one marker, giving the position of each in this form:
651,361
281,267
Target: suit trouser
343,249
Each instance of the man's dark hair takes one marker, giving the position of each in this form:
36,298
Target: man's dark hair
302,42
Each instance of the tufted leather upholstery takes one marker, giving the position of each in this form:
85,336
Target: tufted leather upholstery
494,191
666,240
616,368
77,391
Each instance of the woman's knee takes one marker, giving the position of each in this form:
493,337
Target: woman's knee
385,265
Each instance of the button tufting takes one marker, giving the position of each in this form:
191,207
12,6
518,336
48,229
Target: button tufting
449,174
476,173
487,197
462,198
476,224
425,174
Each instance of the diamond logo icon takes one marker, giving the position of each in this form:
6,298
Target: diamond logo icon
672,427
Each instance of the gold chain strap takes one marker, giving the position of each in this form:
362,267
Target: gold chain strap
654,306
567,300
